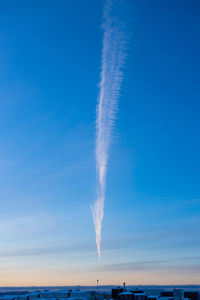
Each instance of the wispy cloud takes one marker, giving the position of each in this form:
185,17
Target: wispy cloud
173,264
21,226
113,58
47,250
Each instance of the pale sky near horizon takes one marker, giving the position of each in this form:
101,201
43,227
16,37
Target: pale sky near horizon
50,58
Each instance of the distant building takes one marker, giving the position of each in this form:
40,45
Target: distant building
99,296
139,296
90,295
116,292
178,294
137,291
55,294
125,296
193,295
167,294
151,297
6,298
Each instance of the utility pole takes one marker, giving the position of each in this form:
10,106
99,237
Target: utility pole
97,286
124,286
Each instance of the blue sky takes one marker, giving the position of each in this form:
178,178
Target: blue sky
50,62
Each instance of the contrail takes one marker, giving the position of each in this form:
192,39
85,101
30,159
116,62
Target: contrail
113,58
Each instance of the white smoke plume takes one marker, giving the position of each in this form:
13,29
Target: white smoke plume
113,57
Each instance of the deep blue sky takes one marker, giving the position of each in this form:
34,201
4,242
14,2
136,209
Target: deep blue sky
50,61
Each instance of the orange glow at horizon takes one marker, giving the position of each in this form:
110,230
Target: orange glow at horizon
54,277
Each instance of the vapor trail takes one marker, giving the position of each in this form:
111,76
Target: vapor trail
113,57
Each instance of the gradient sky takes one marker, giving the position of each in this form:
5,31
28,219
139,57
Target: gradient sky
50,59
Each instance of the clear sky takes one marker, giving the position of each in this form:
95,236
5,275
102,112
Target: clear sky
50,59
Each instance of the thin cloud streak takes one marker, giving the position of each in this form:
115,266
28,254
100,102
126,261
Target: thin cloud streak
166,265
47,250
113,58
22,226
